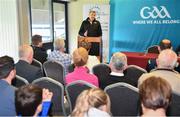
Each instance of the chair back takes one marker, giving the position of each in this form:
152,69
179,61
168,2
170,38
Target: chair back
55,71
57,88
124,99
133,73
153,49
174,107
102,71
71,68
19,81
74,89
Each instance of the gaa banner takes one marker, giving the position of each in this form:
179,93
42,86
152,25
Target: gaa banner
137,24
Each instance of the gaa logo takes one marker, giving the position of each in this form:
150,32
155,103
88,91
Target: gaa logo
154,12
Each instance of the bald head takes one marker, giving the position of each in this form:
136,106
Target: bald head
165,44
167,59
118,61
26,53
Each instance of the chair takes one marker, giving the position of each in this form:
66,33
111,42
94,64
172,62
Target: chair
55,71
74,89
57,88
153,49
37,64
19,81
124,99
133,73
174,107
71,68
102,71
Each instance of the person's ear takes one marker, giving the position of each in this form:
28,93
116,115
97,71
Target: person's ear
12,74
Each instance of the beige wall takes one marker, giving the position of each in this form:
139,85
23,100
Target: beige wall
75,14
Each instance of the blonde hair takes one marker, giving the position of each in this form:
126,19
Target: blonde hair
59,43
93,97
80,56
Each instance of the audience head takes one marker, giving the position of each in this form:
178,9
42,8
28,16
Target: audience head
118,62
165,44
155,93
93,97
28,100
80,56
26,53
37,40
85,44
92,15
167,59
59,44
7,68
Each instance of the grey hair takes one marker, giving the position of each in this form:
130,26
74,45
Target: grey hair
119,60
59,44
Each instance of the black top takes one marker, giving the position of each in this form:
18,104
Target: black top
94,29
40,54
27,71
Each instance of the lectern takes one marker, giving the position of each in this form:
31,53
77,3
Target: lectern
96,40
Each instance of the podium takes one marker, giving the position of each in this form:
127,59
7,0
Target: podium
93,40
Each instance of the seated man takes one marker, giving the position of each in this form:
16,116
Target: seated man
155,96
118,64
24,67
39,52
164,44
31,100
59,55
7,74
166,62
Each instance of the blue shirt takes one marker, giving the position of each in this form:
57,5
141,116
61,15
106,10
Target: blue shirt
7,99
63,58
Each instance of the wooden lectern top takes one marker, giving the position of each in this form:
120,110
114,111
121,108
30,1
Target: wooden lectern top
90,39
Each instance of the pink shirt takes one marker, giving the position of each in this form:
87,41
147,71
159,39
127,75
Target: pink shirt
81,73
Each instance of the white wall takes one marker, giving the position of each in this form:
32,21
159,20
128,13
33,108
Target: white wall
9,28
75,14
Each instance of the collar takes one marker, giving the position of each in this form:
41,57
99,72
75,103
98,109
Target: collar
116,74
165,69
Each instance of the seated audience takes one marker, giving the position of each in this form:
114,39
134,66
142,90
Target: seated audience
24,67
81,72
92,103
166,62
155,96
118,64
7,73
39,52
92,60
31,100
164,44
59,55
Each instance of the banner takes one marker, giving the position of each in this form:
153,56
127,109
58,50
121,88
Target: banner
137,24
102,15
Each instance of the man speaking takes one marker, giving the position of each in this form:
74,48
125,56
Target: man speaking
91,28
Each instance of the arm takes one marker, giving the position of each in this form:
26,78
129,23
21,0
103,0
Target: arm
99,30
81,30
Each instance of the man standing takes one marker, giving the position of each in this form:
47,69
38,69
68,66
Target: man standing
91,28
7,92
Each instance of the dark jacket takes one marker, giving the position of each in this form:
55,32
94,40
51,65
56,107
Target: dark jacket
94,29
27,71
40,54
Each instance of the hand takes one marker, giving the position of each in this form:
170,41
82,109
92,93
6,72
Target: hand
85,34
47,95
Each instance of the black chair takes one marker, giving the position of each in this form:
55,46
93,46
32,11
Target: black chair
58,108
55,71
102,71
174,107
71,68
19,81
153,49
74,89
133,73
124,99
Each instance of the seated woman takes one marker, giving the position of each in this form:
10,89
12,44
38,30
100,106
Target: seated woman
31,100
92,60
81,72
155,96
92,103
